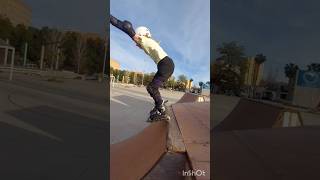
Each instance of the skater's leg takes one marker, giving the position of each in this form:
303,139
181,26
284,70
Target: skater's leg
153,89
165,70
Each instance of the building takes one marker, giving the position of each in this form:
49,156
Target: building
254,73
307,89
114,64
17,11
7,53
189,84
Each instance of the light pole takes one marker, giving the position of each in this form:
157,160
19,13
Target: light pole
105,58
105,49
12,64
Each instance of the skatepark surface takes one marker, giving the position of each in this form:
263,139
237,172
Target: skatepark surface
194,123
249,114
134,157
264,154
247,146
140,155
129,109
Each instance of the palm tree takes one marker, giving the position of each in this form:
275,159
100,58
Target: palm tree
259,59
201,85
290,71
208,83
191,80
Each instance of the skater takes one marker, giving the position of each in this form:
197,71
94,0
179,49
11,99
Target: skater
142,37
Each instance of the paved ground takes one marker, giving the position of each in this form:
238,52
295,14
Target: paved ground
129,109
222,106
52,130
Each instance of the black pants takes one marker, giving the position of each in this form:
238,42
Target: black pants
165,70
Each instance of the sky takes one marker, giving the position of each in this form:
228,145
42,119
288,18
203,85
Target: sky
181,26
285,31
80,15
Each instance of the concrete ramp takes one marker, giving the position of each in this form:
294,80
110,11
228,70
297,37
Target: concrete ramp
194,123
251,114
133,158
190,97
264,154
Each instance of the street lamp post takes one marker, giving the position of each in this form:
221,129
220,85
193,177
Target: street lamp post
105,48
12,65
105,58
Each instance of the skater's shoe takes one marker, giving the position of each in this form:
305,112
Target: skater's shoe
158,117
160,108
153,111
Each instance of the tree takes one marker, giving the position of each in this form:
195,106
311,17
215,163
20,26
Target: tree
6,28
182,78
179,86
111,70
201,84
148,78
53,41
80,49
290,71
208,84
231,53
94,56
226,80
69,42
314,67
20,35
170,83
34,45
132,78
231,67
259,59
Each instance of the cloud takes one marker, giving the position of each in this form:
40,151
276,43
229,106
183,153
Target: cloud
183,27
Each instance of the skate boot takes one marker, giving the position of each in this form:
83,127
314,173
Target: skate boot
153,111
158,113
161,108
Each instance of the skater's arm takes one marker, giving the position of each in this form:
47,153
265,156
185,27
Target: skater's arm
124,26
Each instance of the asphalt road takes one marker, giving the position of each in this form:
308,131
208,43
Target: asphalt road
53,130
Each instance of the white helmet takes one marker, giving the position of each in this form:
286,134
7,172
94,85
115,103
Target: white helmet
143,31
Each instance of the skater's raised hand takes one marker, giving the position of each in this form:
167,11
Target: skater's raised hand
137,39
